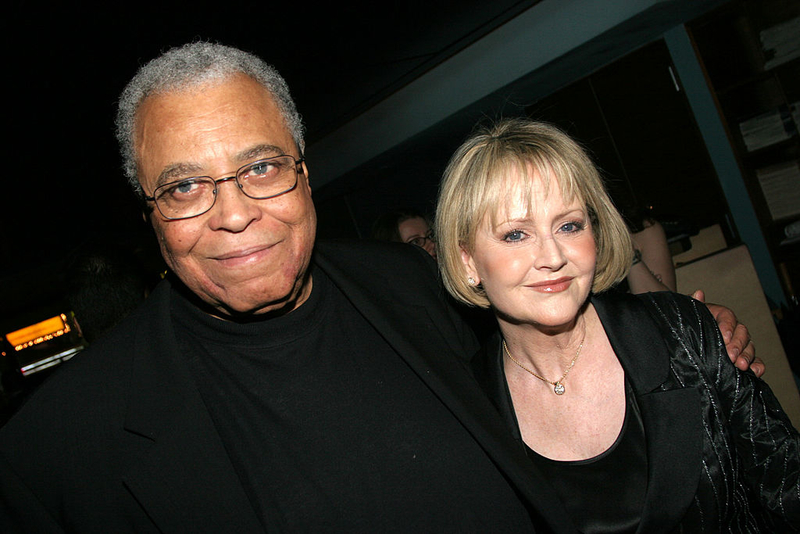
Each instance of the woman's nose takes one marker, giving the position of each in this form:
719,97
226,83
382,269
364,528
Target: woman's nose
549,254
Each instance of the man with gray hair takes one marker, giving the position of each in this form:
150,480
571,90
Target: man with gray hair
269,384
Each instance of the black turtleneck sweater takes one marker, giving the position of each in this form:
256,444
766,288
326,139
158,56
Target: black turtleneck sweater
329,430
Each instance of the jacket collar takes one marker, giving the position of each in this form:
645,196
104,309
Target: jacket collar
671,418
632,334
180,472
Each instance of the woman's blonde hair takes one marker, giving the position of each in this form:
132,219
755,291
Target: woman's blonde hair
475,184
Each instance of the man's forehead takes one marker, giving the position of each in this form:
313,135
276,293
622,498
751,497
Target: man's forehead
233,97
184,169
229,123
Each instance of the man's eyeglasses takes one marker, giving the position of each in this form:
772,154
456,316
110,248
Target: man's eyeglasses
190,197
421,240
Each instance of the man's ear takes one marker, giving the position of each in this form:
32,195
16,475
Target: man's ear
305,173
147,213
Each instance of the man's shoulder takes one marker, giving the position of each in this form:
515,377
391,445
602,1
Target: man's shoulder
365,259
67,416
370,251
93,381
376,271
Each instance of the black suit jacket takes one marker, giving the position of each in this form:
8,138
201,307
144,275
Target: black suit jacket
119,440
722,455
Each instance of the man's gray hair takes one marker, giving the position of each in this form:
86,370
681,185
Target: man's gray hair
192,65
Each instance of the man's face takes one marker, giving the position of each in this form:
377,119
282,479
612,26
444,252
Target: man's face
244,255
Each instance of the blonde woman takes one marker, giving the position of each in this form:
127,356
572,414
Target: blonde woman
627,405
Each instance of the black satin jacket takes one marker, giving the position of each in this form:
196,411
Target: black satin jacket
722,454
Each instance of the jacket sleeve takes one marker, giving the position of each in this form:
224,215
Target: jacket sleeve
462,321
20,510
767,445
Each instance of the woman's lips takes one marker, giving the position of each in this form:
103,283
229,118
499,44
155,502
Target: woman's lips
552,286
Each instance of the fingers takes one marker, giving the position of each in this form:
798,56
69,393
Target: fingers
747,360
728,324
736,337
758,367
739,341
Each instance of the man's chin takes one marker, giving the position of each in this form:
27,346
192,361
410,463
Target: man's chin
269,305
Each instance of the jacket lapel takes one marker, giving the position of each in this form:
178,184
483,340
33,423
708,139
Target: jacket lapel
672,419
417,338
180,472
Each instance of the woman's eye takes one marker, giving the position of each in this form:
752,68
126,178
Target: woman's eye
514,235
572,227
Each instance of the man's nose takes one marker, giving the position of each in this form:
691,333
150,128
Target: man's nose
233,210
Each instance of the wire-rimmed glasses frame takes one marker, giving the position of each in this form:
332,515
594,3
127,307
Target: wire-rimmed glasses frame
260,180
420,241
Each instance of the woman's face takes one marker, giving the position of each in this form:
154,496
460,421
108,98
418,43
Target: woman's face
536,267
417,232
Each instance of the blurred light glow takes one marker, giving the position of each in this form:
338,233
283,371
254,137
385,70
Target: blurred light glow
38,332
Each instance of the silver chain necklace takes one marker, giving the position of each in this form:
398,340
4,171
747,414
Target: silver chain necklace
558,385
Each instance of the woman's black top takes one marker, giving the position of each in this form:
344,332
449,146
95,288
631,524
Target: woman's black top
606,493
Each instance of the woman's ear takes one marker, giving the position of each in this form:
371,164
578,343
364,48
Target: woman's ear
469,267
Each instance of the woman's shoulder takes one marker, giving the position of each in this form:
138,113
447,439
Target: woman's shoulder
690,331
683,323
670,306
658,303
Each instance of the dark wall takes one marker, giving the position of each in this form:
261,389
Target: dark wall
631,116
635,120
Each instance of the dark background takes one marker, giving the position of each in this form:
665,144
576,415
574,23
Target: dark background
66,65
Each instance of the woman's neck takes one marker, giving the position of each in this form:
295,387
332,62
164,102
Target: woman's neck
547,350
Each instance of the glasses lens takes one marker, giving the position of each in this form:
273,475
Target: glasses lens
185,198
420,241
269,177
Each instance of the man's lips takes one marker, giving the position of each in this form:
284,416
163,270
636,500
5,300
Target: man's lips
552,286
243,256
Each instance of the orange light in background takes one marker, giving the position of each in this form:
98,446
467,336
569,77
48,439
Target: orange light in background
39,332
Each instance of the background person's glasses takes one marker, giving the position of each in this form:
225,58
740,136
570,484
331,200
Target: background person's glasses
262,179
421,240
